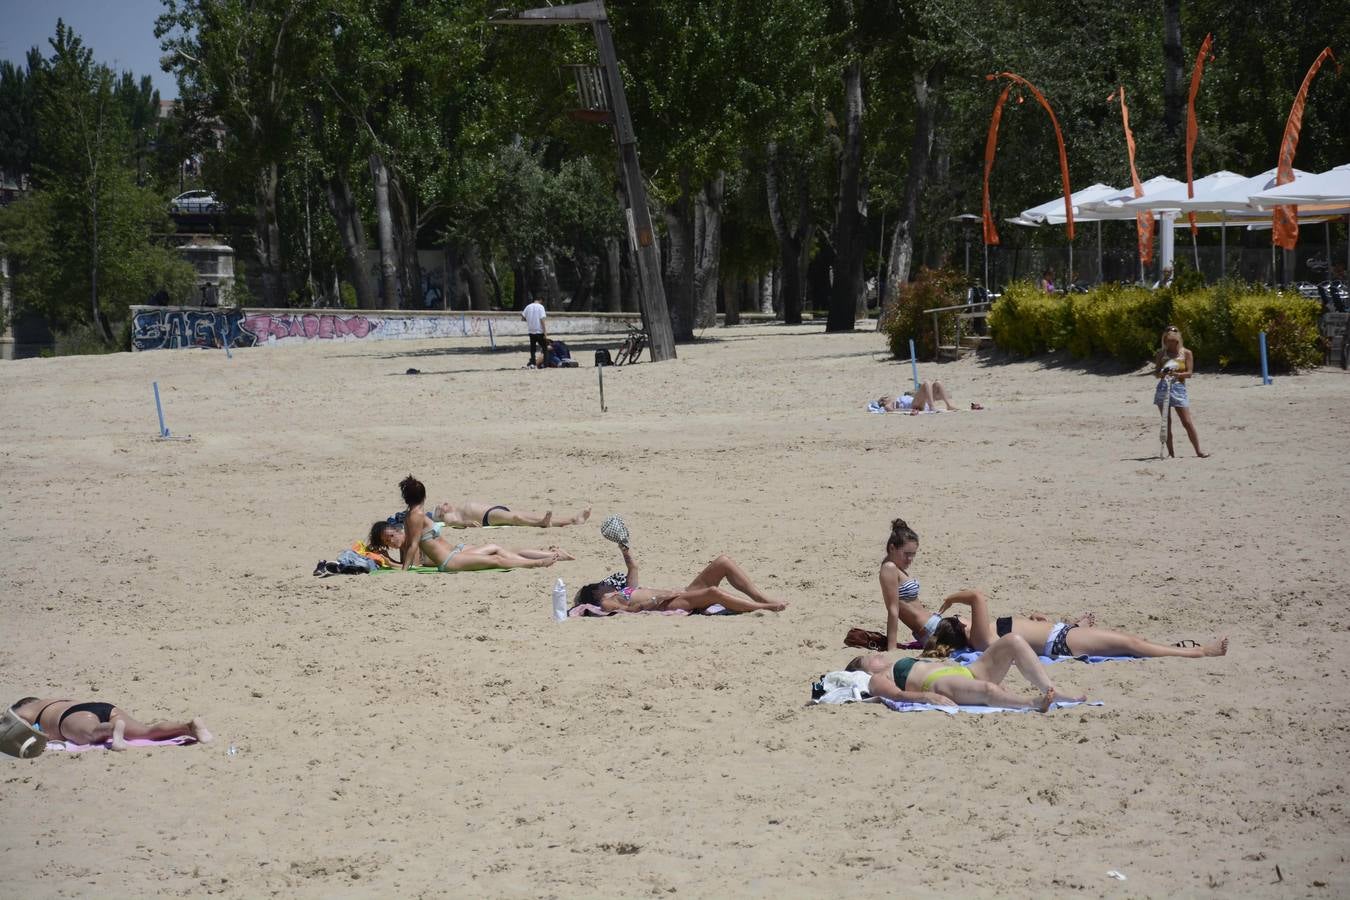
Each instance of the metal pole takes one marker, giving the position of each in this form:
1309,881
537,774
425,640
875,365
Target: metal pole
968,256
1265,371
913,363
986,268
1100,274
655,312
1223,245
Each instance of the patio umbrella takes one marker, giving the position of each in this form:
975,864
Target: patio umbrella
1052,213
1326,192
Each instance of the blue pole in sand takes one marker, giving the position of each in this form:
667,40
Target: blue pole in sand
913,366
1265,371
163,432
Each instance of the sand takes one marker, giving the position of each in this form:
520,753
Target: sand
411,735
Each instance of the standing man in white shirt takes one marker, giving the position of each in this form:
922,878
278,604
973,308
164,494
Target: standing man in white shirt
534,316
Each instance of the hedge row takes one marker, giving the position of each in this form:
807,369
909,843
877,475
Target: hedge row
1220,324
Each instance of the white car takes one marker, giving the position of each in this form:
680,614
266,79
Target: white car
195,203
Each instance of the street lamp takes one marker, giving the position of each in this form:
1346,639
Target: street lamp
652,294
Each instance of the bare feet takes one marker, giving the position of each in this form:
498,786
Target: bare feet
775,605
119,736
579,519
561,554
1202,455
198,730
1218,648
548,519
1047,700
1086,620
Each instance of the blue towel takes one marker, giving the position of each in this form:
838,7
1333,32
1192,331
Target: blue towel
902,706
966,657
875,407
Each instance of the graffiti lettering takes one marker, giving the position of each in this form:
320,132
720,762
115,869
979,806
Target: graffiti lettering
165,329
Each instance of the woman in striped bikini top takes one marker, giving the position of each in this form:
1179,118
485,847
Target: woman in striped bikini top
900,592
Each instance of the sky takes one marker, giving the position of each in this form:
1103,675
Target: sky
120,32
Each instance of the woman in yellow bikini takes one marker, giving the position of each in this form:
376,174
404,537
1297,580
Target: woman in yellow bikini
979,684
420,539
1178,362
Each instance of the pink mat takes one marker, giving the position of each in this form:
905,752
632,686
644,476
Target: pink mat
70,747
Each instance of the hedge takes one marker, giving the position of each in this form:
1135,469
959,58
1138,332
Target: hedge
1219,324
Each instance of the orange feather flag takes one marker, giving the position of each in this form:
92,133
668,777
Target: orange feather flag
1284,231
1143,221
1192,128
991,143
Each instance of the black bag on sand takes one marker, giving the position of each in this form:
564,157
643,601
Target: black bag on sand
602,357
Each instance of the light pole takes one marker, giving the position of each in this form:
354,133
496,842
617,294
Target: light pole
652,296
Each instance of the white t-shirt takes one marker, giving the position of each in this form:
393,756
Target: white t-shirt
534,316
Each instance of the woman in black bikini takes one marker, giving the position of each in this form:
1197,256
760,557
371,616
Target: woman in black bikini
473,514
622,592
100,723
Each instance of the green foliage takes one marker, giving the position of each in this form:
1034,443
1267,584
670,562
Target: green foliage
906,319
347,293
1219,325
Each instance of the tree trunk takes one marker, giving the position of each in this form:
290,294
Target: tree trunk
902,245
613,276
384,220
587,266
405,242
347,218
1173,72
679,275
794,234
767,293
267,239
851,213
496,282
707,249
548,268
473,267
732,288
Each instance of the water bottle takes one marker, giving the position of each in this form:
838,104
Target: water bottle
559,601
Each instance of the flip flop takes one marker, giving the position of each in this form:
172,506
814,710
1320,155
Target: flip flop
1187,643
976,406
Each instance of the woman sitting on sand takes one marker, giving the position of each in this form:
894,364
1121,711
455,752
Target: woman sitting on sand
621,592
474,513
419,539
100,723
1077,637
979,684
926,397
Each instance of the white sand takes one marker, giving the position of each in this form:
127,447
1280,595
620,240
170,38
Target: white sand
405,735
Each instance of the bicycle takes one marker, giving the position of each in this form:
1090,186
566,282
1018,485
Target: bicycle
632,347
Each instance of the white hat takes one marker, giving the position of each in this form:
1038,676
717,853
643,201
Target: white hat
18,738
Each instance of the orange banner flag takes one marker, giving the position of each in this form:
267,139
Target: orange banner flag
993,139
1143,221
1192,128
990,144
1284,230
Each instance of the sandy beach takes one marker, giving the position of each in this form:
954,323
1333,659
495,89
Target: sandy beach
410,735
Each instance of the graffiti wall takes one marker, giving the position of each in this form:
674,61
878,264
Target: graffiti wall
159,328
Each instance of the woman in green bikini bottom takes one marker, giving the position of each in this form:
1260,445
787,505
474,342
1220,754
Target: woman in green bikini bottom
943,684
419,539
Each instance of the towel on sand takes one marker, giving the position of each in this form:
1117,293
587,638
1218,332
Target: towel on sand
901,706
966,657
590,610
851,687
432,570
71,747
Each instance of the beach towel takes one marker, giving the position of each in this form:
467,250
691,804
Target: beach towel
966,657
432,570
72,747
902,706
590,610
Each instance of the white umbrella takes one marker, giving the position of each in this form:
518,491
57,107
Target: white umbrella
1052,213
1170,196
1325,189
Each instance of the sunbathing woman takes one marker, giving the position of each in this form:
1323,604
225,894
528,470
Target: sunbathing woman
622,591
927,397
420,540
100,723
1075,637
931,681
473,513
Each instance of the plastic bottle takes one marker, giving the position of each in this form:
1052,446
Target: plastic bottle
559,601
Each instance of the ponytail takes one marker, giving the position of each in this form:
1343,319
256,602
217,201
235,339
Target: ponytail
948,638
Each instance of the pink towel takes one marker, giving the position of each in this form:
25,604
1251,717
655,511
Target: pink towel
70,747
583,610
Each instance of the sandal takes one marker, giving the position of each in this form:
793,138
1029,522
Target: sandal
976,406
1187,643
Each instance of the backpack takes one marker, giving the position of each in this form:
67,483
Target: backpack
602,358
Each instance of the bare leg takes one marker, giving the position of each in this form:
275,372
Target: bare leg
1008,651
555,552
923,397
1100,642
940,393
476,559
519,517
702,598
724,568
579,519
982,693
1188,423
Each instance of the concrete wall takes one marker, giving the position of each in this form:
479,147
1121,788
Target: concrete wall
157,328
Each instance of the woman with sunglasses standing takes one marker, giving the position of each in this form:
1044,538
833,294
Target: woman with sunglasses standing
1175,360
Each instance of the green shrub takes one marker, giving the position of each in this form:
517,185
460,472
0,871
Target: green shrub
1220,325
905,317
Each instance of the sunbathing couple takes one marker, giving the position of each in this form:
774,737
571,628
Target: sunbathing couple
419,539
943,636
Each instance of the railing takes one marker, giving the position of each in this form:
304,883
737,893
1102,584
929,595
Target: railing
977,310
